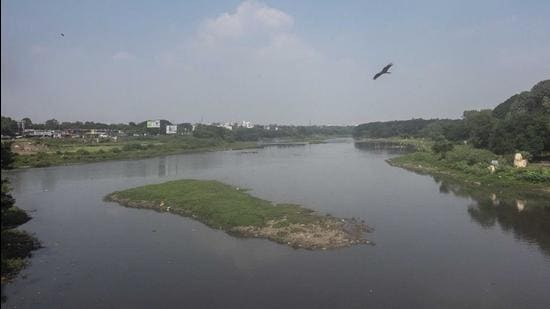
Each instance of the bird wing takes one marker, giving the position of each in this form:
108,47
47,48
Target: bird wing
377,75
386,68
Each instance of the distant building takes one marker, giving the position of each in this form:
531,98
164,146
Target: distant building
153,123
38,133
171,129
246,124
227,125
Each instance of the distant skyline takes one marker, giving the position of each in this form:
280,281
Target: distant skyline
287,62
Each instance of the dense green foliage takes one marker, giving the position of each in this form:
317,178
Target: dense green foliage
6,156
208,131
521,123
214,203
8,126
471,164
401,128
441,146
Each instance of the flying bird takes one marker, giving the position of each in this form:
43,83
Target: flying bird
384,71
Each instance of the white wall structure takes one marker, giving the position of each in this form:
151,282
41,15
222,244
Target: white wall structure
171,129
153,123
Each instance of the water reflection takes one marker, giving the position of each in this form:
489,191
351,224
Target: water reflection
162,167
525,216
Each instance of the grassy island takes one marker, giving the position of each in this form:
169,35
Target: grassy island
233,210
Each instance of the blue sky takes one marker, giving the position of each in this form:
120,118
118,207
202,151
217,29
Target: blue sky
267,61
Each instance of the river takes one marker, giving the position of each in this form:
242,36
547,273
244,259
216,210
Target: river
435,245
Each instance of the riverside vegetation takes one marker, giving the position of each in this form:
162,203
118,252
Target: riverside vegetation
48,152
42,152
465,148
471,166
233,210
17,245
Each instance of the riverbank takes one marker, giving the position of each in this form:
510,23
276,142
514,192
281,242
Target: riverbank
51,152
68,152
234,211
471,167
16,245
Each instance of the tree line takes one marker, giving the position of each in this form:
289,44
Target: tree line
521,123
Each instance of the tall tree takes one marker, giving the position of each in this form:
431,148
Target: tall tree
52,124
27,122
8,126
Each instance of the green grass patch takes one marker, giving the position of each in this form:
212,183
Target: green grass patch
233,210
71,151
214,203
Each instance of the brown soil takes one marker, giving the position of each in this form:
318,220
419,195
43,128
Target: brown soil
330,234
327,233
27,148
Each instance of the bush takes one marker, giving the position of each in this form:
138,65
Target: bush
130,147
83,152
442,146
535,176
13,217
471,155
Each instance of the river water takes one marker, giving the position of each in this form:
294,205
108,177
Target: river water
436,246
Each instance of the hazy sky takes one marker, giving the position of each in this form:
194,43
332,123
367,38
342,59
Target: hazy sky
267,61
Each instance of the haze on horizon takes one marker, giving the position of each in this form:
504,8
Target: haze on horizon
267,61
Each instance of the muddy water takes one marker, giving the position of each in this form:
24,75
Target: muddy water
437,245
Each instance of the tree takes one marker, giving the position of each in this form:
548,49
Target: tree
8,126
185,127
7,156
207,131
10,218
27,123
52,124
479,124
441,146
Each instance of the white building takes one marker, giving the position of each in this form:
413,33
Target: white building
245,124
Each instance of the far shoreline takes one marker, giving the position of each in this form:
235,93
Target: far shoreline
54,159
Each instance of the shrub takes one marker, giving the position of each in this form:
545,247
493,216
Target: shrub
130,147
442,146
535,176
471,155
